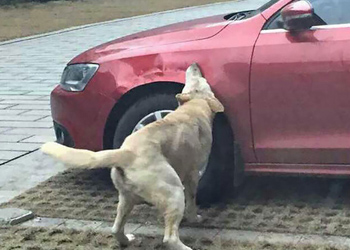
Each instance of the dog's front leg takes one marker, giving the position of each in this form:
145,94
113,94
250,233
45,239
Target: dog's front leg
191,184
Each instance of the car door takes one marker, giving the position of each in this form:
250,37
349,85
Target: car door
300,90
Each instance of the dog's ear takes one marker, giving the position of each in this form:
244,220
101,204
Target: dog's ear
215,105
183,97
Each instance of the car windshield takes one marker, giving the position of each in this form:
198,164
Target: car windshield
267,5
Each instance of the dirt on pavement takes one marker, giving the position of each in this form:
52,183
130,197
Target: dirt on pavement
43,238
273,204
34,18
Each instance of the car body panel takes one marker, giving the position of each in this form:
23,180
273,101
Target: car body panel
300,88
297,169
193,30
84,120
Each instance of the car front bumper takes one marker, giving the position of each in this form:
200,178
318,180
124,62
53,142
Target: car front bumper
80,117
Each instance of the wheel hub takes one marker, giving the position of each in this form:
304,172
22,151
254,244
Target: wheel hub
152,117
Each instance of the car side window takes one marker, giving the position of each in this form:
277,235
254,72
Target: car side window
332,11
326,12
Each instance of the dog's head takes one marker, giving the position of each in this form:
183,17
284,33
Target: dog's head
197,87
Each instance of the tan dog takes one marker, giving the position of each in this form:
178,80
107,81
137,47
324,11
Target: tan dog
153,162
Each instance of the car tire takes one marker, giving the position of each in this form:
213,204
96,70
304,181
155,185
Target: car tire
217,181
211,184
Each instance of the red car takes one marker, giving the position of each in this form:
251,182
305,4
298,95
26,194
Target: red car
281,71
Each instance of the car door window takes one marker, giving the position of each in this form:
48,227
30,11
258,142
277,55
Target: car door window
332,11
327,12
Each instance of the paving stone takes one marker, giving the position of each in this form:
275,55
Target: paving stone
149,230
40,90
12,138
80,224
3,130
333,241
27,107
25,124
106,227
45,98
8,155
39,139
46,119
13,92
14,175
22,118
5,112
42,93
35,112
199,233
4,88
29,102
14,216
5,106
25,85
238,235
7,195
18,146
347,243
30,131
279,238
17,97
44,222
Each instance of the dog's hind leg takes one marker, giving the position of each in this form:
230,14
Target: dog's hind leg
173,213
191,183
125,206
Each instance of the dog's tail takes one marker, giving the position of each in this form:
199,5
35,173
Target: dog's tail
81,158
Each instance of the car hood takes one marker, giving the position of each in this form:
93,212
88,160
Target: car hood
181,32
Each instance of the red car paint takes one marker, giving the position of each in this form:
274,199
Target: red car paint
286,95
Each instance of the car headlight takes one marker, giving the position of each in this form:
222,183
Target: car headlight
75,77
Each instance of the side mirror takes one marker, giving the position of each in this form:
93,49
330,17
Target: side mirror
298,16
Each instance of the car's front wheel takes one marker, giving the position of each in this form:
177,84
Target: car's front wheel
156,107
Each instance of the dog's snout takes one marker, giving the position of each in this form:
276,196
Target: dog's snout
193,71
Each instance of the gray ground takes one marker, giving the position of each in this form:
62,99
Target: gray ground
276,204
41,238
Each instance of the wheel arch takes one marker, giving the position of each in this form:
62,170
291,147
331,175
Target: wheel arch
136,93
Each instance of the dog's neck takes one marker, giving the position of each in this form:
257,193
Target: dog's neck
202,106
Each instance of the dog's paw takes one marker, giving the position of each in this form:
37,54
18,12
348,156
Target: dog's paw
199,218
124,240
130,237
194,219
